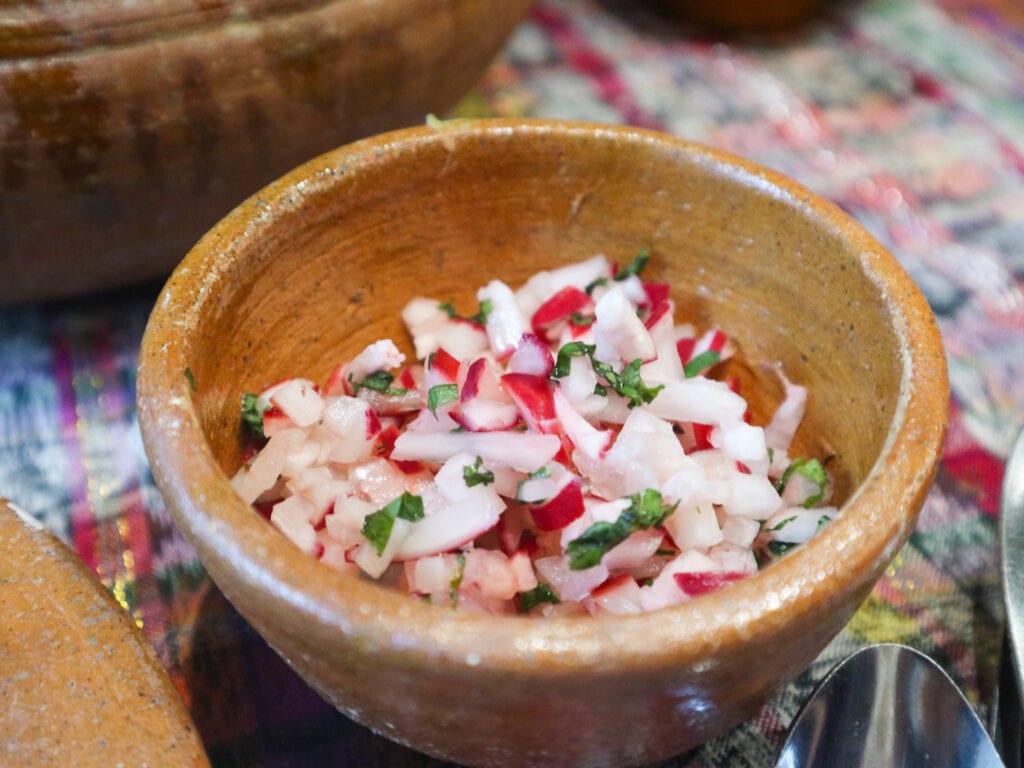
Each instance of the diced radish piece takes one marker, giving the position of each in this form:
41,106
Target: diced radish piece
620,596
490,574
347,419
567,583
345,523
262,474
274,420
787,417
291,517
634,552
586,438
532,356
442,368
666,366
646,451
506,323
545,284
732,558
695,584
559,309
462,338
299,401
657,296
796,525
533,396
752,496
482,415
374,564
744,443
694,527
665,590
424,318
700,400
524,451
378,481
740,530
336,556
522,570
381,355
619,335
561,509
431,575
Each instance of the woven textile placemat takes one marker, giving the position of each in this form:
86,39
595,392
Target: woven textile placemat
909,115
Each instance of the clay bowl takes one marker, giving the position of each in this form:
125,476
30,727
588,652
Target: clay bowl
128,129
319,263
79,683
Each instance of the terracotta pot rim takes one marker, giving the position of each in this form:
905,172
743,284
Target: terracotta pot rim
686,633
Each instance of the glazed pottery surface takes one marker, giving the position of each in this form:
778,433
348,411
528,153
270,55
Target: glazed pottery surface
128,129
79,684
319,264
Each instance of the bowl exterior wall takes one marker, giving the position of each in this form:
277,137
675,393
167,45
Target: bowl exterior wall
318,265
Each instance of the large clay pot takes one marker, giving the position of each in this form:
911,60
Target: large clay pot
128,129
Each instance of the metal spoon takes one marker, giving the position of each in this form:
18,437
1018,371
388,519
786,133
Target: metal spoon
1007,707
887,705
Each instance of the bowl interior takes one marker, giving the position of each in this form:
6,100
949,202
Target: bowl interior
314,267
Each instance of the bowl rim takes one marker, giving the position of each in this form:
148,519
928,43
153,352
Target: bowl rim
212,516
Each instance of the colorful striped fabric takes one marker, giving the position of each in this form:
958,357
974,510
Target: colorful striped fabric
907,113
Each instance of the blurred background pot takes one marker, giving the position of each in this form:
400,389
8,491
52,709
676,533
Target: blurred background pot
128,129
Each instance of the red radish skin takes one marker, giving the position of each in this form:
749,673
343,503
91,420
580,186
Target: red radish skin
694,584
562,509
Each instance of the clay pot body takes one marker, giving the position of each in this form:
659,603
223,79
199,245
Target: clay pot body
319,264
128,129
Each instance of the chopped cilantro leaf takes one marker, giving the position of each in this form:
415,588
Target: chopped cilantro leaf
480,318
379,381
565,355
456,582
595,284
544,471
779,548
580,320
645,511
635,267
191,378
477,474
627,383
441,394
701,363
540,594
377,526
813,471
252,416
822,522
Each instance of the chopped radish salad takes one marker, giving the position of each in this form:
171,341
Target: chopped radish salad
561,450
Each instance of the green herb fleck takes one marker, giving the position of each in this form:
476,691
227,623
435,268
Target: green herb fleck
565,355
378,381
456,582
813,471
480,318
701,363
580,320
477,474
377,526
441,394
645,511
595,284
252,416
540,594
779,548
822,522
635,267
191,378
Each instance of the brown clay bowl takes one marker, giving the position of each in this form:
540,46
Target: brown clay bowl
79,683
128,129
319,263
